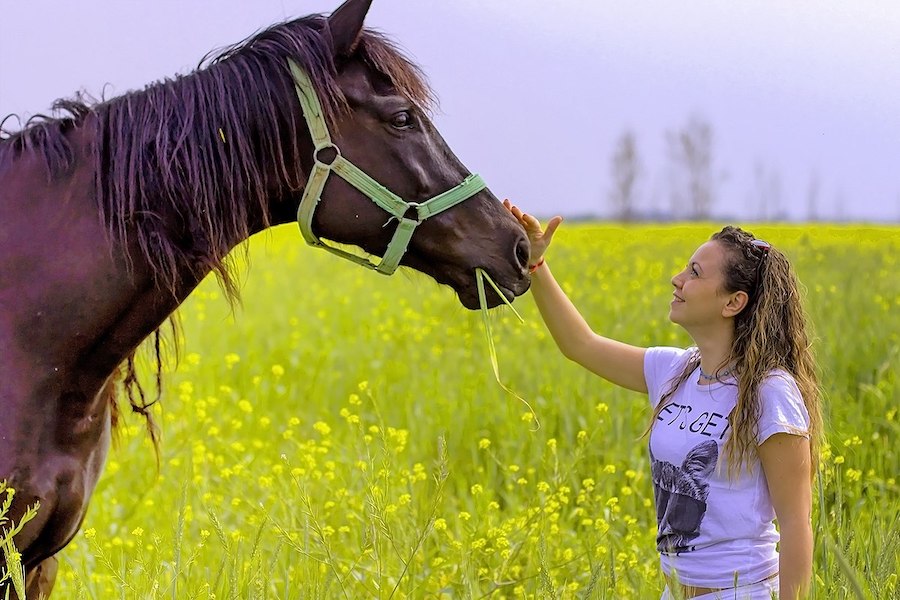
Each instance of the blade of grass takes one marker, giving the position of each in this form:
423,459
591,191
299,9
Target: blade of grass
480,276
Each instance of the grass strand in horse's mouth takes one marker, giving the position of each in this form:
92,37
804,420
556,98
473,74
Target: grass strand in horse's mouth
480,276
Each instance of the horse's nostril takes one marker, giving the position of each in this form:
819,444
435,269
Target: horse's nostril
523,250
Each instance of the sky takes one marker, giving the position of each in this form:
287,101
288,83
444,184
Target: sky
803,98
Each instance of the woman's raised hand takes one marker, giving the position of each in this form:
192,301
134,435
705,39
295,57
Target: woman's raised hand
539,238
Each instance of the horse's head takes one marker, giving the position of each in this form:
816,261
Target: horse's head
384,130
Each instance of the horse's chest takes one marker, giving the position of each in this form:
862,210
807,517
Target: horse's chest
56,459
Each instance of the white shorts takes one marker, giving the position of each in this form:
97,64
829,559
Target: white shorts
763,590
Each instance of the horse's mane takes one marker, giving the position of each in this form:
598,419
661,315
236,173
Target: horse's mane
181,165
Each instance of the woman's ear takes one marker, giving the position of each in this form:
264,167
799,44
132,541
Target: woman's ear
737,302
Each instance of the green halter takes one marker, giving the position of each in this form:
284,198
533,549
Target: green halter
377,193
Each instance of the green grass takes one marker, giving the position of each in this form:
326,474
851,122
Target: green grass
341,435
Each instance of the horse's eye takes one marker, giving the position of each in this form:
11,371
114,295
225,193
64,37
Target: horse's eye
402,120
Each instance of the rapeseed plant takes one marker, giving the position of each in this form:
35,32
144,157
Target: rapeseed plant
366,451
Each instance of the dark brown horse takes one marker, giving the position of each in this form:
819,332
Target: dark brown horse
111,216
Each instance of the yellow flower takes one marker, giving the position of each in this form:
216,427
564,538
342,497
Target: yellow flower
484,443
277,370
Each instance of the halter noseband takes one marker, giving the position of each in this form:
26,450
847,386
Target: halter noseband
377,193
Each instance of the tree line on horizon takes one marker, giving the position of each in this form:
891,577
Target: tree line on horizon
695,180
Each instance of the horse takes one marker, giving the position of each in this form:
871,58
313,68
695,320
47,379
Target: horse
114,212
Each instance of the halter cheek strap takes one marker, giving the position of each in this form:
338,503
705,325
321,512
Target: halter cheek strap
391,203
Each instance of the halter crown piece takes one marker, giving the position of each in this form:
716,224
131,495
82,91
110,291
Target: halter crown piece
377,193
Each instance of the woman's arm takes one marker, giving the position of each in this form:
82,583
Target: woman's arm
619,363
786,464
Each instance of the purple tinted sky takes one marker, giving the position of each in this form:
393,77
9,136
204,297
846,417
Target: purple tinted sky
534,94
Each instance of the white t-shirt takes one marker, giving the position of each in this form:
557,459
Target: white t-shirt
711,529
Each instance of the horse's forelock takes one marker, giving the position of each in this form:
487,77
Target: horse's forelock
385,57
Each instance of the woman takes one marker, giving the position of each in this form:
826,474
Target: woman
736,418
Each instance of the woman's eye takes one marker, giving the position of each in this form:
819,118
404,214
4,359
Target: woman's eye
402,120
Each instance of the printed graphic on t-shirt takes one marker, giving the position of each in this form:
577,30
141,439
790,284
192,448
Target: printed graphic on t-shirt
681,494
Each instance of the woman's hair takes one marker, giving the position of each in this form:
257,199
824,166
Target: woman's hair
769,333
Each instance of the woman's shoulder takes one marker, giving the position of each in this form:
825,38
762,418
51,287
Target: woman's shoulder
781,403
662,363
670,355
779,381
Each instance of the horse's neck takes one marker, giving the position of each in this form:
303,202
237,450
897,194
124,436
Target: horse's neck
72,308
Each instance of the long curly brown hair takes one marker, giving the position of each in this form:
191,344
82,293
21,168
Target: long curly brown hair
770,333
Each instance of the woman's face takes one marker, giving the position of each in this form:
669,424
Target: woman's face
699,297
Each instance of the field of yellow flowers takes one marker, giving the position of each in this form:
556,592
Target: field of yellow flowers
341,435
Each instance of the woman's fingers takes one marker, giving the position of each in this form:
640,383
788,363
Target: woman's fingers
514,210
529,223
532,225
551,228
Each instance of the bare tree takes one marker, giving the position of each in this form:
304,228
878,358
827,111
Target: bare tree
840,201
767,184
691,153
625,170
812,197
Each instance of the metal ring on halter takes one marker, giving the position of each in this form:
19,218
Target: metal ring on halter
327,146
408,214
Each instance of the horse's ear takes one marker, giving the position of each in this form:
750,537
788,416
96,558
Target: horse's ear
345,24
